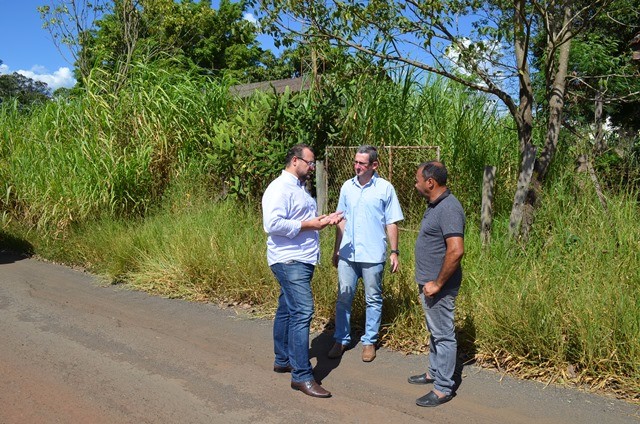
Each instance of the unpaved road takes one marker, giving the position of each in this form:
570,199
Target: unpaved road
73,351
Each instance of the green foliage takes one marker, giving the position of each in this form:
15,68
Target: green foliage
247,151
441,113
240,154
193,33
23,90
567,299
601,62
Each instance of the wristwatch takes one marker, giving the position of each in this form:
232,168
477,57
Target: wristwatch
396,251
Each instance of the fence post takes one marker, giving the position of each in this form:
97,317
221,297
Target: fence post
486,214
321,187
390,164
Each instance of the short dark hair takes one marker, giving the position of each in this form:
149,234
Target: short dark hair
435,170
296,151
369,150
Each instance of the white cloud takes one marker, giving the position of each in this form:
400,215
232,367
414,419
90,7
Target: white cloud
63,77
249,17
485,54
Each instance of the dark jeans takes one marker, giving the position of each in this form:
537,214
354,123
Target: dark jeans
293,318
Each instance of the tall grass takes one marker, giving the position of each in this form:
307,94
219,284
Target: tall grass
565,310
434,112
133,178
568,303
105,153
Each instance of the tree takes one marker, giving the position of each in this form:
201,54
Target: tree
494,56
25,90
604,83
70,23
190,32
113,34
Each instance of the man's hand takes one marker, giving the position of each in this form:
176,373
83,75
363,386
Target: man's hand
334,218
430,289
395,262
319,222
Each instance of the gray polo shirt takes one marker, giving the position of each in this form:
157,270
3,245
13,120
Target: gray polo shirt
443,218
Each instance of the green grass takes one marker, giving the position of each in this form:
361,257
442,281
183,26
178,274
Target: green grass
157,186
568,303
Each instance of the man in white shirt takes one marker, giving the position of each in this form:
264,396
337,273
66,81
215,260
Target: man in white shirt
291,222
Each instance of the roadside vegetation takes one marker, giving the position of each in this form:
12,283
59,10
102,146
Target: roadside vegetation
157,186
149,172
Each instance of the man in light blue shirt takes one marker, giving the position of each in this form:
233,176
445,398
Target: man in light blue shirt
289,218
371,211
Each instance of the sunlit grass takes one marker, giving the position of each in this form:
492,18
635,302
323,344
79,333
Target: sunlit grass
565,311
156,186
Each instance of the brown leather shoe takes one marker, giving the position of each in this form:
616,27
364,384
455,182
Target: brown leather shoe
311,388
336,351
368,353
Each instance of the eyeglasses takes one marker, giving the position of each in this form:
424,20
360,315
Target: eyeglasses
308,162
356,162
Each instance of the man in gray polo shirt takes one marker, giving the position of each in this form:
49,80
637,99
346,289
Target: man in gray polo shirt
439,250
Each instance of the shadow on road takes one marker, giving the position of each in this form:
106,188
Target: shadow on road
13,249
322,343
320,346
7,257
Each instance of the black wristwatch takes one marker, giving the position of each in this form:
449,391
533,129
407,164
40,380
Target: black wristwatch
396,251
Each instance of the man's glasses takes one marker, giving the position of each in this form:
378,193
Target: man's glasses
308,162
356,162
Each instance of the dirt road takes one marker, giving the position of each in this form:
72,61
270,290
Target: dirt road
75,351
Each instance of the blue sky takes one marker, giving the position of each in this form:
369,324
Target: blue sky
27,48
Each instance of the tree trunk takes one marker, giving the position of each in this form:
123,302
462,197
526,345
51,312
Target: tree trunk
523,118
556,99
561,43
524,183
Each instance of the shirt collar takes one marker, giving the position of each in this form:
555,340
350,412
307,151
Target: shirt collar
440,198
372,181
292,178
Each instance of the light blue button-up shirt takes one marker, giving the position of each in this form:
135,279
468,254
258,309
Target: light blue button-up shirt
285,204
367,210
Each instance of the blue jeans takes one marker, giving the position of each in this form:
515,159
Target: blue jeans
443,347
348,274
293,318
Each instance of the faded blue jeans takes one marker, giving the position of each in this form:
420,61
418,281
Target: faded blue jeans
443,347
348,275
293,318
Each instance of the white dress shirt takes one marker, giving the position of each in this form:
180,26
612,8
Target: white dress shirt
285,204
